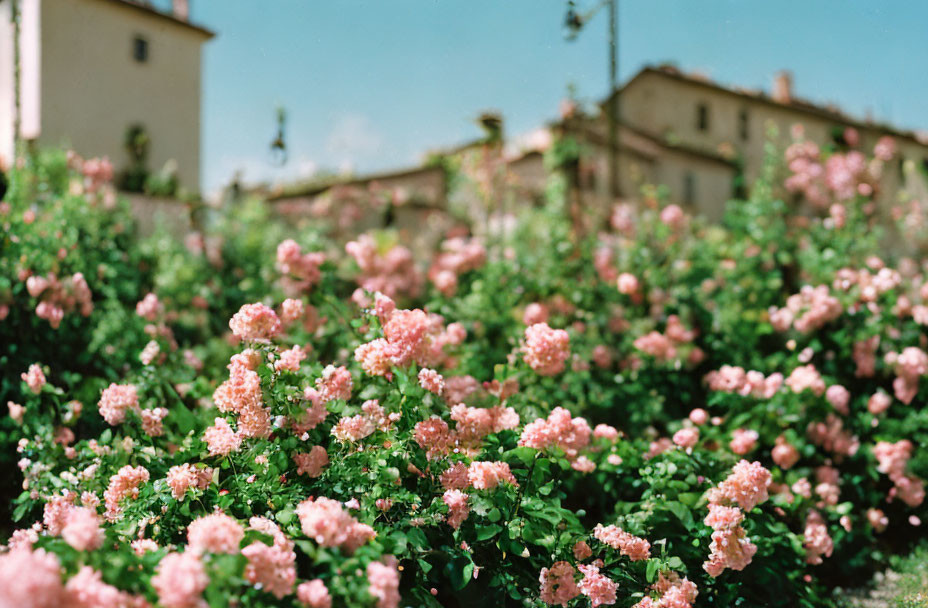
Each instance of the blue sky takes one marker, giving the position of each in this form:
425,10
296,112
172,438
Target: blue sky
373,84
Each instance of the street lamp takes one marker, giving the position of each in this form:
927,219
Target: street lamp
574,22
279,146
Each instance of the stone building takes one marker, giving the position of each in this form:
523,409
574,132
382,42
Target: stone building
95,70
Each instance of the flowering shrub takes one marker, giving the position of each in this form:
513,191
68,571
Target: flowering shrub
664,414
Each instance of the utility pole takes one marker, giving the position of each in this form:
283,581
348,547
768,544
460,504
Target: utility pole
575,22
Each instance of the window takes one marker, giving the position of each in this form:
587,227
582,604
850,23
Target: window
689,189
702,117
744,125
140,49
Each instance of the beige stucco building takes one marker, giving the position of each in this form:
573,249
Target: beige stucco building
94,69
691,112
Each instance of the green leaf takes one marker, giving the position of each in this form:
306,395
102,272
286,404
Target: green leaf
652,569
485,532
683,513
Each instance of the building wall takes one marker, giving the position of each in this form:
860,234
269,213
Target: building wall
667,107
6,87
93,89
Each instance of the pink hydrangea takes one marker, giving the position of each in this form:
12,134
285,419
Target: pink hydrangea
220,439
817,541
216,533
634,547
180,581
312,463
558,586
383,582
255,322
152,424
546,349
314,594
458,509
34,378
116,400
784,454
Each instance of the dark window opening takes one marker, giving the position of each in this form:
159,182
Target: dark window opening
925,164
702,117
689,189
743,125
901,166
140,49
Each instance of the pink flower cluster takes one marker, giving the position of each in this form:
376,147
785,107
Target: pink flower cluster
910,365
746,486
457,257
273,567
180,581
125,483
816,541
599,588
216,533
731,379
842,177
116,400
483,475
290,359
149,308
634,547
806,377
559,430
241,395
311,463
300,270
220,439
675,592
59,297
730,546
34,378
546,349
893,458
390,270
458,509
558,586
255,322
185,476
832,436
383,582
325,521
810,309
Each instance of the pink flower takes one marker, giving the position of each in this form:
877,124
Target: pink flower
180,581
30,579
290,359
746,486
806,377
216,533
124,483
743,441
878,403
686,437
335,383
383,581
115,400
600,589
149,308
673,217
559,430
314,594
86,589
82,529
581,550
255,322
353,428
311,464
185,476
557,584
838,397
546,349
272,567
877,519
325,521
634,547
431,381
784,454
488,475
220,439
152,421
699,416
291,310
16,411
34,378
817,541
458,509
535,312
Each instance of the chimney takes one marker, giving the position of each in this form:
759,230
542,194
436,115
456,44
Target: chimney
783,87
182,9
